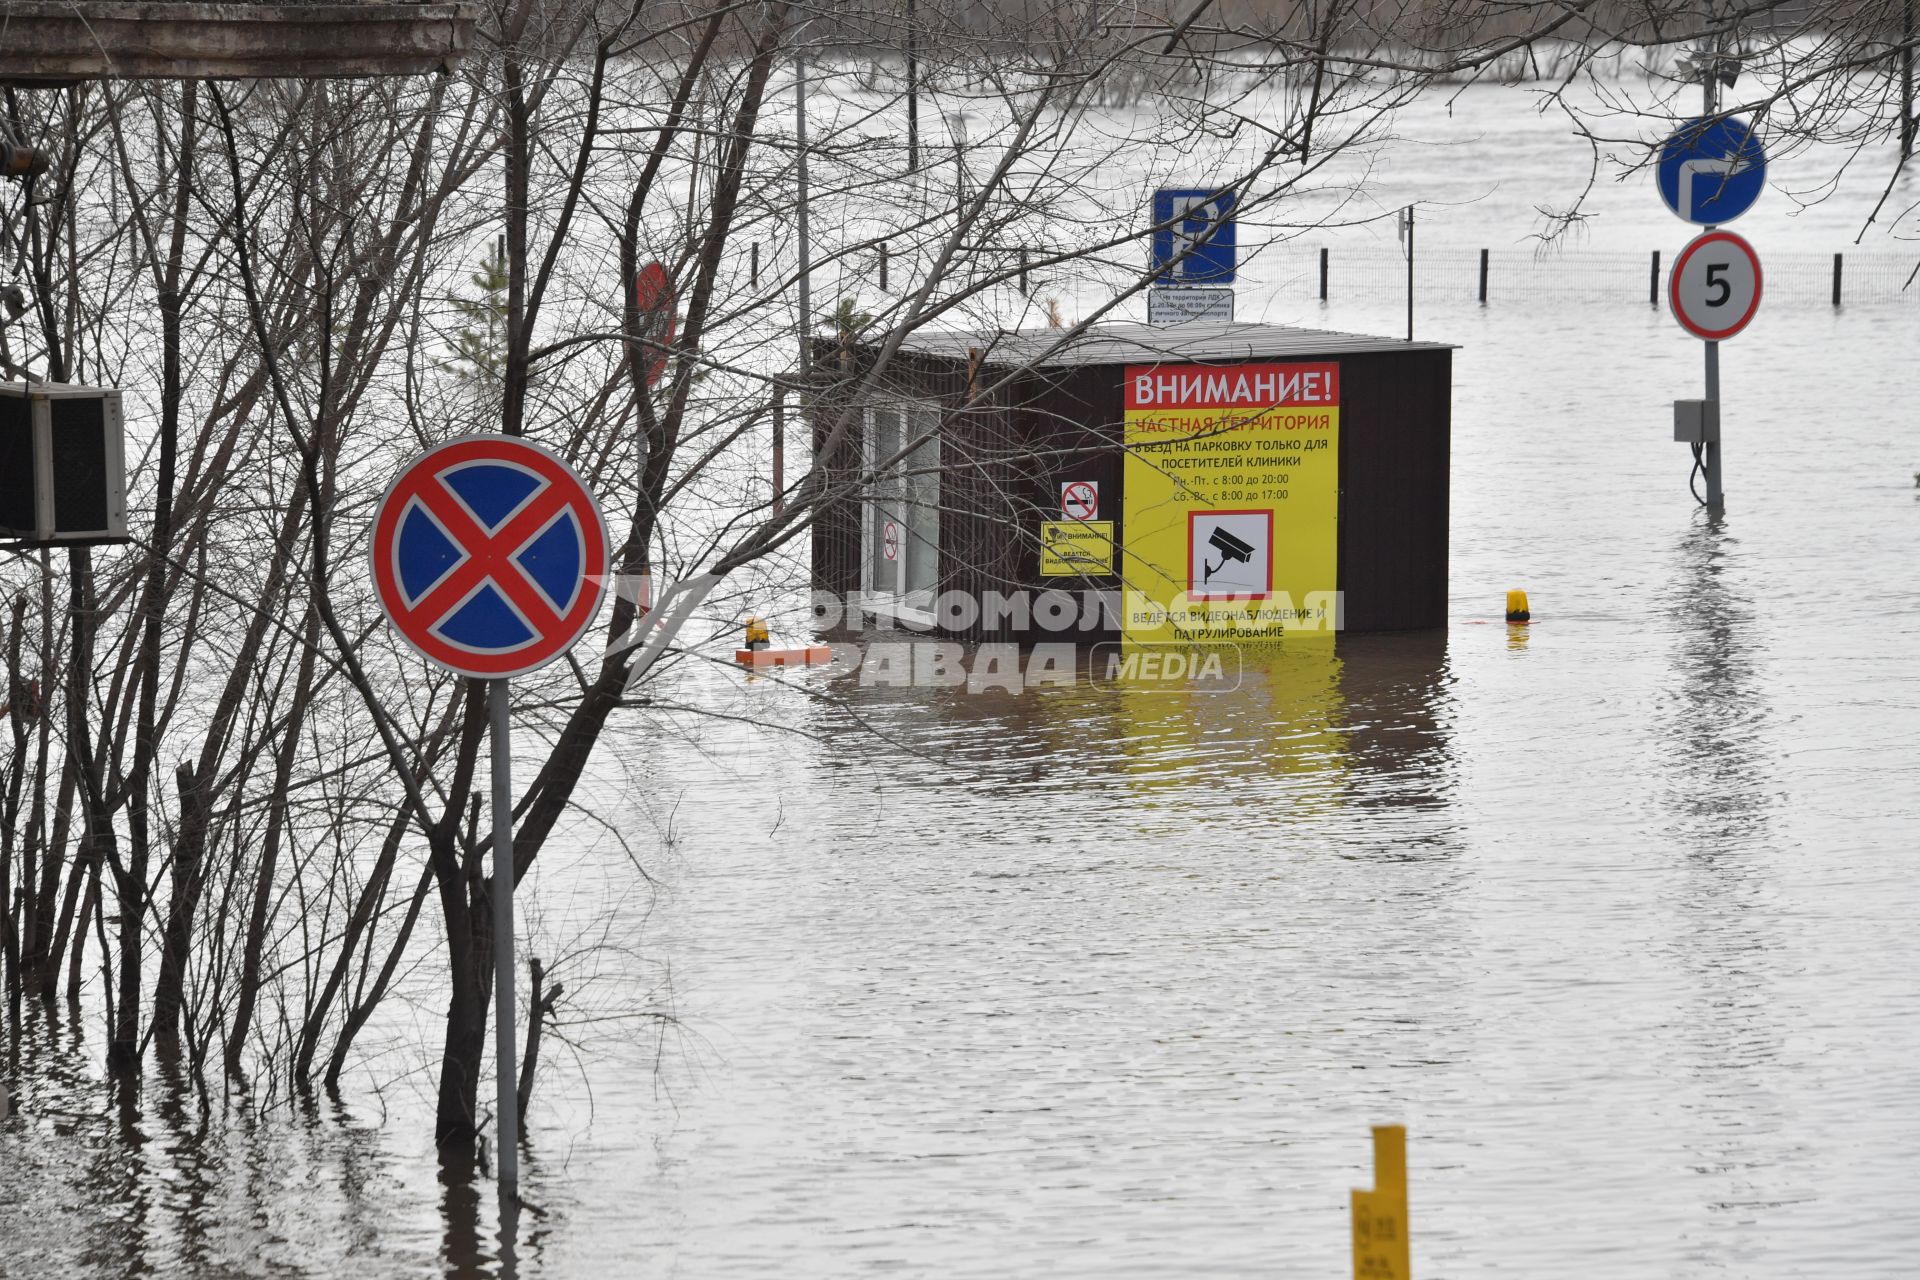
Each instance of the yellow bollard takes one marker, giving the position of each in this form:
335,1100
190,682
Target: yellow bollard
1517,607
1381,1247
757,635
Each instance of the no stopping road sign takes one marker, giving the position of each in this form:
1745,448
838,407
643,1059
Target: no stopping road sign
489,555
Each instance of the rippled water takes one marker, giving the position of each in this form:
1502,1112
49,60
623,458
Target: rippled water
1614,912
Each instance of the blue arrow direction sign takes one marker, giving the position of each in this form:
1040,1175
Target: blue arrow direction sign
1199,220
1711,171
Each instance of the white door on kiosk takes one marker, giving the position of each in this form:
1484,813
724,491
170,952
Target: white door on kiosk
901,564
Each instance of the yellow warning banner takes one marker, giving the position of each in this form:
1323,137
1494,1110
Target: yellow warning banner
1069,548
1232,500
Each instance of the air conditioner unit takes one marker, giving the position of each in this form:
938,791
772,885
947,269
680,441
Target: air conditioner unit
63,471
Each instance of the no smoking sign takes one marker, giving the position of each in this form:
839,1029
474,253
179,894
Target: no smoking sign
1080,499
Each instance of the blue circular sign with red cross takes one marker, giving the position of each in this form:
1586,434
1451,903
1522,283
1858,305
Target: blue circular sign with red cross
489,555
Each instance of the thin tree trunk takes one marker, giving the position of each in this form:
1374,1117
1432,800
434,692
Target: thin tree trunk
553,786
87,869
469,917
198,785
364,909
188,877
130,880
543,1006
256,939
363,1009
186,871
10,806
48,970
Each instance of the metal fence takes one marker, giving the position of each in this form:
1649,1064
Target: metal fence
1496,276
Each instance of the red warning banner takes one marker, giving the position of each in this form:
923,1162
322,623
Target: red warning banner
1238,386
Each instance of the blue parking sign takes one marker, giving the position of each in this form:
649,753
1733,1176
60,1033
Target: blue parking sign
1197,223
1711,172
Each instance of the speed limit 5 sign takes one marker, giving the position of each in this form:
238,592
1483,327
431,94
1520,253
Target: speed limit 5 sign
1715,286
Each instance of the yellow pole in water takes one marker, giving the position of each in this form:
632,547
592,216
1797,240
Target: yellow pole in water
1517,610
1381,1247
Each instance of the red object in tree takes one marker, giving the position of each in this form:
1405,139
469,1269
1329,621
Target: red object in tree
653,295
24,701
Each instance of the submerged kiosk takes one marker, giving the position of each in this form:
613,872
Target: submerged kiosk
1201,482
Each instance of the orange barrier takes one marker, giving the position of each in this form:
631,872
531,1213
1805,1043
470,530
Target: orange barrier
806,657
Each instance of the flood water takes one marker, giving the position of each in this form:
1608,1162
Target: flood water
1613,912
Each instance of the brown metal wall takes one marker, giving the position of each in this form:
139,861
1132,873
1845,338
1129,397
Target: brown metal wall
984,483
836,516
1396,424
1069,420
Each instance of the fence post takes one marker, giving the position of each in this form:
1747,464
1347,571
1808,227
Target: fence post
883,266
1653,282
1836,279
1323,275
1483,277
756,264
779,452
1907,120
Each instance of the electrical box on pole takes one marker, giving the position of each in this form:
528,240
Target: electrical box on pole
63,473
1696,421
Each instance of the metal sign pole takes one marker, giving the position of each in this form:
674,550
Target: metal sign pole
805,274
1710,451
1409,273
507,1106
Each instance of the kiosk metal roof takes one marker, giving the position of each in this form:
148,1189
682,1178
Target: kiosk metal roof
1195,342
